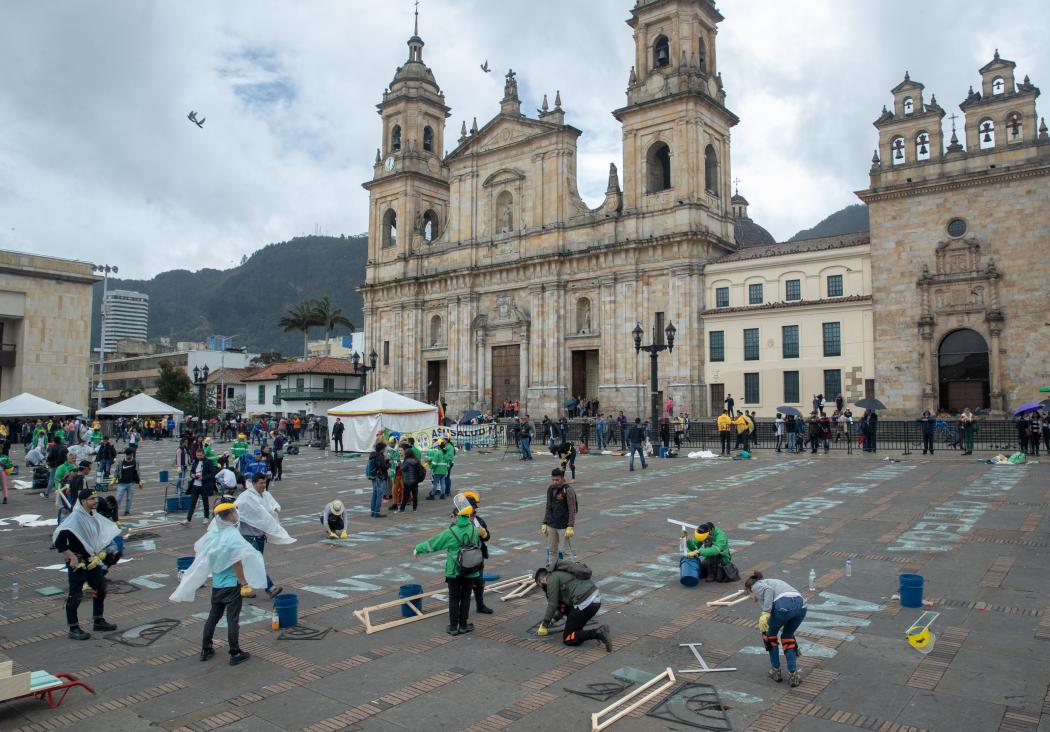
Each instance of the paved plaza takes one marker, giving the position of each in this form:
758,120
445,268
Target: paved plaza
977,533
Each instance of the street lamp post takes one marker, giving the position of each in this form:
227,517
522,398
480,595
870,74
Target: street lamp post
105,269
200,378
654,350
373,357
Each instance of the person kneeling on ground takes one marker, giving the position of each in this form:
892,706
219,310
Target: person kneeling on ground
462,563
332,518
783,610
710,544
235,565
571,592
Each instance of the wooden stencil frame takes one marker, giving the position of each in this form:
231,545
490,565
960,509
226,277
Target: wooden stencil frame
729,600
668,681
365,613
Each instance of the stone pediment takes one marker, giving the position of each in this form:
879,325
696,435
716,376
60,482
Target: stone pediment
504,130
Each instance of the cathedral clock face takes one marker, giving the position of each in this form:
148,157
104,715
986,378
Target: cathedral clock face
389,164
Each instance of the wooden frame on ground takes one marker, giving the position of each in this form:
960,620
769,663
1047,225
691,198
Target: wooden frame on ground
365,613
514,588
668,679
729,600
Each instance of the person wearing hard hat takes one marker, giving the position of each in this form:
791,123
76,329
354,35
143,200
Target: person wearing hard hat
437,461
710,544
463,562
484,535
333,520
783,610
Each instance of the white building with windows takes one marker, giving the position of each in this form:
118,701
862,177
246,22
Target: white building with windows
309,386
126,315
784,322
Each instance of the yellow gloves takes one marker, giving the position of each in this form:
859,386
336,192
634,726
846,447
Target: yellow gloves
542,630
96,559
331,535
247,591
569,533
763,622
342,534
543,529
483,533
693,554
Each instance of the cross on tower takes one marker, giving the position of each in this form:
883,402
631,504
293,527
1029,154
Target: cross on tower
417,18
953,116
736,184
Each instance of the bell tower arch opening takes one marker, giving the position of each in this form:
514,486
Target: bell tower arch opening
964,374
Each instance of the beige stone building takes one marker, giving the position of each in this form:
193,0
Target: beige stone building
488,276
785,322
45,327
960,238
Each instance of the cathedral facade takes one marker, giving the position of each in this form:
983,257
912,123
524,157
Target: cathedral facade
489,278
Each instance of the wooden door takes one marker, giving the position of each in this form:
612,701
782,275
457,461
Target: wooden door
506,375
718,396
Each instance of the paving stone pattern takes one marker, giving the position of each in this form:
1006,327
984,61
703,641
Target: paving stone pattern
978,539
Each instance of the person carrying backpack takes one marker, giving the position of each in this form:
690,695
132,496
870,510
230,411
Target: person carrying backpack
486,536
462,563
559,517
376,471
412,473
570,592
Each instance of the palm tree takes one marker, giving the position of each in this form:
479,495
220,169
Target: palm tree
301,317
329,317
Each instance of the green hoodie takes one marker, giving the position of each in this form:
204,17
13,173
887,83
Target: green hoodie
719,545
438,461
465,533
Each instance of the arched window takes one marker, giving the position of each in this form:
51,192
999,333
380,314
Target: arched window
583,316
505,213
998,85
428,139
430,226
899,154
658,168
986,133
909,106
1015,127
661,52
435,331
922,145
395,139
703,54
711,170
963,371
389,228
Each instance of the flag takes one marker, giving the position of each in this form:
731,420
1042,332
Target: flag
441,412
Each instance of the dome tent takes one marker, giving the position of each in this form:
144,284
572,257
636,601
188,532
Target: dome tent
382,409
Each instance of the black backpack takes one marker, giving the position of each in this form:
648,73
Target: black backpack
579,570
469,559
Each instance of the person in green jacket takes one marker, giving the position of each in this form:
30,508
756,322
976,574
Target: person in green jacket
393,492
461,533
437,461
450,458
570,592
710,544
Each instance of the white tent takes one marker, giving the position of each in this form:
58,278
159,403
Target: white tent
30,405
380,410
143,405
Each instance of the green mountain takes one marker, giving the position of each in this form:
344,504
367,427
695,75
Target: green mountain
248,300
847,221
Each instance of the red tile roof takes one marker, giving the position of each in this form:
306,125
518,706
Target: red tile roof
317,365
230,375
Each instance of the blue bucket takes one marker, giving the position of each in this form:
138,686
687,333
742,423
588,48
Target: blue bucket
287,607
173,505
689,571
911,590
410,591
164,476
118,542
663,452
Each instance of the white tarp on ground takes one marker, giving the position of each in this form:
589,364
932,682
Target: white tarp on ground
30,405
382,409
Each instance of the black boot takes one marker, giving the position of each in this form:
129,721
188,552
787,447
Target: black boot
479,597
77,634
207,653
239,657
100,624
605,636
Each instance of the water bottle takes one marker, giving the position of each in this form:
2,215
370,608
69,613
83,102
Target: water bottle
14,590
812,580
682,548
849,567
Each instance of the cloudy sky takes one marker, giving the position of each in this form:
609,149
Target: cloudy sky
98,160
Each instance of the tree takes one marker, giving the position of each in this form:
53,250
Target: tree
330,317
173,385
301,317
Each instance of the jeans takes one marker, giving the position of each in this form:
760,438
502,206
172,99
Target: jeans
437,484
104,466
600,436
125,494
377,495
448,481
259,542
791,441
927,443
636,447
96,580
788,613
526,452
178,481
50,481
623,439
224,600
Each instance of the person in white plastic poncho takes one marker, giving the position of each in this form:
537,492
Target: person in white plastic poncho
235,565
260,522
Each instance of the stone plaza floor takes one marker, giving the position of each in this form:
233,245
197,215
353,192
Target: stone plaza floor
977,533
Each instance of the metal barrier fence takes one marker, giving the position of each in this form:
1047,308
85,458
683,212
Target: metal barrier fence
891,435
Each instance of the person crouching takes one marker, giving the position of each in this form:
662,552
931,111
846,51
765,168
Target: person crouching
333,520
571,593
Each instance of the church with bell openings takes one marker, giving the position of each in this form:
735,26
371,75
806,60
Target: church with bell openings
490,279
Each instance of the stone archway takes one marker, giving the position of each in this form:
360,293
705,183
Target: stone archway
964,371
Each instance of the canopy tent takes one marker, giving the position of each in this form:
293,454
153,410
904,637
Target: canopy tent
30,405
143,405
380,410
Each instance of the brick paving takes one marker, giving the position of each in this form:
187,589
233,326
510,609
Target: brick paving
980,543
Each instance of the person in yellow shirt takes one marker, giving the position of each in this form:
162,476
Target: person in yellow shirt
725,423
750,438
743,430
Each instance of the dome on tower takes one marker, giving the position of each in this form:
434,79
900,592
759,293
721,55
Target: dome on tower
746,232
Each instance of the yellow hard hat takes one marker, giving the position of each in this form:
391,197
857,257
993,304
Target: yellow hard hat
473,497
224,507
701,536
462,505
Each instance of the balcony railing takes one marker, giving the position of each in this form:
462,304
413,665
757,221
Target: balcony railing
319,394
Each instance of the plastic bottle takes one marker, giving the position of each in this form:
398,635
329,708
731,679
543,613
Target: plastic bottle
275,624
682,548
14,590
812,579
849,567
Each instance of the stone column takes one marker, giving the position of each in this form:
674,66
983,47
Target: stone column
483,376
995,367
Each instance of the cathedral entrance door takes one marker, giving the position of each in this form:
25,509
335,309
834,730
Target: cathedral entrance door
964,373
437,380
718,397
506,375
585,374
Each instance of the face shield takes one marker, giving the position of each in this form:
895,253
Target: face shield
461,505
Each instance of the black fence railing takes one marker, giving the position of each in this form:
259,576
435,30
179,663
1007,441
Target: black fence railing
891,435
